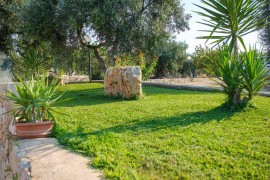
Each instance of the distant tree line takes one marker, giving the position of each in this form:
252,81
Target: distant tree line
265,32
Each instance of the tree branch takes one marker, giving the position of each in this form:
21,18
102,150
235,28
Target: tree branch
84,43
144,7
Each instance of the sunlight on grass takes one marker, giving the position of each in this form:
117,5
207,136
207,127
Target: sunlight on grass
169,134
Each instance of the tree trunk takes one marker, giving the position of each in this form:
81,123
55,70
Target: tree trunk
160,73
113,56
101,61
237,97
235,48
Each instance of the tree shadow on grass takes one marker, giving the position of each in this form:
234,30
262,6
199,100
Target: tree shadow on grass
95,96
165,90
156,124
86,97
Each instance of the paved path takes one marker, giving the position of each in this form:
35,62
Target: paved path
50,161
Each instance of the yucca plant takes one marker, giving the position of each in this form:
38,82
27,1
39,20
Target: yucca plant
254,72
230,20
226,70
34,99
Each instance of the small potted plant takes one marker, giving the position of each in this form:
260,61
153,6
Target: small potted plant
33,102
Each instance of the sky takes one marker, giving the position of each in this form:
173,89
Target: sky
190,36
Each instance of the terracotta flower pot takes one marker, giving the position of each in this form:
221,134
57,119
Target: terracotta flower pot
33,130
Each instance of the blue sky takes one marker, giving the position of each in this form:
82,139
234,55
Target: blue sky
190,36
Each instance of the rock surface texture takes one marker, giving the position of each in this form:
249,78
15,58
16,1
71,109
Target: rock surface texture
5,137
125,82
66,79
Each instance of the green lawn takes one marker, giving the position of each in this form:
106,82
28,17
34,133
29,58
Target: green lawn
169,134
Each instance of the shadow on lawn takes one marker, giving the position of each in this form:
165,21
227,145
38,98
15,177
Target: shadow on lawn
90,97
86,97
151,91
199,118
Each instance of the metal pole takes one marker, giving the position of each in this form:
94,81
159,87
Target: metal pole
89,65
190,69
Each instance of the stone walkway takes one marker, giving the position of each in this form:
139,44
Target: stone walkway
47,160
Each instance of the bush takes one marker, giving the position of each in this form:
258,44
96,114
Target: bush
34,99
254,72
244,75
226,70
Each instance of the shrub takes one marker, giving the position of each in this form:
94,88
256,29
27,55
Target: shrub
236,74
226,69
34,99
254,72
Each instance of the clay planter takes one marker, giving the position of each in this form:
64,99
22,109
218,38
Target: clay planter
33,130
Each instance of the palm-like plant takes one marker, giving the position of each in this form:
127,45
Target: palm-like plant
35,59
226,69
34,100
254,72
230,20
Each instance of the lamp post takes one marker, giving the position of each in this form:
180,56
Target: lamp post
88,40
191,75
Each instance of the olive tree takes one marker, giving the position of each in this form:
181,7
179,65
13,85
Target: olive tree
122,26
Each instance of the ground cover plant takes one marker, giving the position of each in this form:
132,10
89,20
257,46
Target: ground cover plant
169,134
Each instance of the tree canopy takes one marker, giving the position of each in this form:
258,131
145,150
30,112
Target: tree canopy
118,25
171,59
6,25
265,32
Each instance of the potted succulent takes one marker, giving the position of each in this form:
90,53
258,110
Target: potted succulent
33,107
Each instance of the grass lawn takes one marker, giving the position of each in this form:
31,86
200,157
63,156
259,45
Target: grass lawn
169,134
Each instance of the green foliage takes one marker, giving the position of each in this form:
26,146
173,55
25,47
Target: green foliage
169,134
188,67
71,61
126,60
203,57
265,32
230,20
226,68
120,26
34,99
235,74
147,63
31,61
170,60
7,25
254,72
148,69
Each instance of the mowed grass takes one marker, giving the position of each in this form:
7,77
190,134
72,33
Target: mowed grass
169,134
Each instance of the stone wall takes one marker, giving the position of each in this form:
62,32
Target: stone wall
123,81
66,79
5,137
12,164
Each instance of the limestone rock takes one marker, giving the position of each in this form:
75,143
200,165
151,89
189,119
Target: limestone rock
6,170
123,81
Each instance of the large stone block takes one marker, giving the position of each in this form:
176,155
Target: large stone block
123,81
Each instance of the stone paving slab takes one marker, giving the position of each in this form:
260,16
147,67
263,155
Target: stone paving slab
50,161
